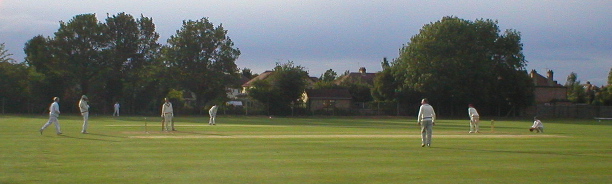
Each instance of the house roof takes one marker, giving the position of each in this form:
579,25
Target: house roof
261,76
329,94
361,77
269,73
541,81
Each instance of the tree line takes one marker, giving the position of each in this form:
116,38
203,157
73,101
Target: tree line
120,60
453,62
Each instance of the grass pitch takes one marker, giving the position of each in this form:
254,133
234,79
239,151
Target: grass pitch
301,150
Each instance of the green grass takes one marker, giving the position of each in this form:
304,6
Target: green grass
301,150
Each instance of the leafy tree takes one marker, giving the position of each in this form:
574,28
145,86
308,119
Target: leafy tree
455,62
284,87
329,76
385,86
49,80
361,92
247,73
326,81
107,61
5,56
201,58
123,35
132,51
70,62
575,91
604,95
610,77
13,82
78,46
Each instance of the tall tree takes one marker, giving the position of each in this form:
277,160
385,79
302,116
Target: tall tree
132,51
284,87
329,76
50,78
13,82
575,90
202,59
385,87
605,94
455,62
123,35
5,56
78,45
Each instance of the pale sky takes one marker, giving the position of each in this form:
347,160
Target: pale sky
560,35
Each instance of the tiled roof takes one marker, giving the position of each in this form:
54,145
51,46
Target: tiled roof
261,76
357,77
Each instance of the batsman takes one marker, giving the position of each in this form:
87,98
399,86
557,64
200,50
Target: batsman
167,114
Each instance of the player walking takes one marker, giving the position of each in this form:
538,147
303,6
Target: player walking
53,114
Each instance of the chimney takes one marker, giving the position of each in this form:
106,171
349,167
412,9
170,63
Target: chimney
532,74
362,70
549,77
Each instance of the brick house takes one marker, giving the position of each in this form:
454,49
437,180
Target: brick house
327,99
547,89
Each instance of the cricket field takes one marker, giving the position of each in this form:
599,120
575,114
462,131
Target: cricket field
245,149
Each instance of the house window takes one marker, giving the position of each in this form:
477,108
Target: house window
329,103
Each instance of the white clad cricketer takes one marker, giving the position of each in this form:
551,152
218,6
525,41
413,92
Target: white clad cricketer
54,113
116,107
84,108
167,114
537,125
426,118
474,119
213,115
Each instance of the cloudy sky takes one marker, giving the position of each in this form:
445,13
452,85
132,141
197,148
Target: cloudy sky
560,35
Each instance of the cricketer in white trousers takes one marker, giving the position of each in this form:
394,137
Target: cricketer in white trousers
116,106
474,119
53,114
84,108
426,118
167,114
213,115
539,127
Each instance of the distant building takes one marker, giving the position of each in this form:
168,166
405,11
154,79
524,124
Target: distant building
247,85
310,81
547,89
327,99
357,77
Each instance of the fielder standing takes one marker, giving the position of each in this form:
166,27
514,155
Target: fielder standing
84,108
116,107
213,115
53,114
426,119
167,114
474,119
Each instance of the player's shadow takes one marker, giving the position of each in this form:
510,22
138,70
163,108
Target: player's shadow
86,138
104,135
196,133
